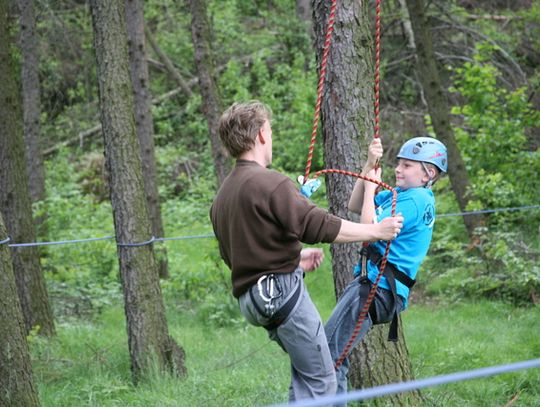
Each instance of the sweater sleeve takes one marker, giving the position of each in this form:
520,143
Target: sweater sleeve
301,217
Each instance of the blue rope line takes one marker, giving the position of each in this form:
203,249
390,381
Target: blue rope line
92,239
163,239
5,241
516,208
208,235
414,384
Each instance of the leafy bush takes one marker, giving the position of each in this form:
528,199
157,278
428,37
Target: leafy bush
503,173
81,276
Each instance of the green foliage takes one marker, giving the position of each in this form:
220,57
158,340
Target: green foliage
503,172
69,214
286,81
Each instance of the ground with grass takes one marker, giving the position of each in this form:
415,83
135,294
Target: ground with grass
87,364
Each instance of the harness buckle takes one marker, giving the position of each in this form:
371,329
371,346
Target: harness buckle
363,264
269,291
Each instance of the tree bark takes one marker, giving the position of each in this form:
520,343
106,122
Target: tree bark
347,116
15,202
211,105
31,100
144,123
378,362
148,337
439,110
17,386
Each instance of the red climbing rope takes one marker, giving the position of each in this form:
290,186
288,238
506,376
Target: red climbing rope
377,129
320,89
376,134
320,86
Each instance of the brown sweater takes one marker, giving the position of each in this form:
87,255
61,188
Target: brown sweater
260,219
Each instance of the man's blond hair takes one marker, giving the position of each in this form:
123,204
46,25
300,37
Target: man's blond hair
239,125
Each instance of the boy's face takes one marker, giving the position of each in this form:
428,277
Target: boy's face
410,174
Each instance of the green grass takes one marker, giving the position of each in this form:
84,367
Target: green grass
87,364
447,338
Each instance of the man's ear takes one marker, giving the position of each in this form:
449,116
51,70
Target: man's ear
261,137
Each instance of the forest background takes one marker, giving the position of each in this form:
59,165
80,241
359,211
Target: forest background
489,52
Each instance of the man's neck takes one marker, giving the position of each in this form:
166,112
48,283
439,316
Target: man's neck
253,156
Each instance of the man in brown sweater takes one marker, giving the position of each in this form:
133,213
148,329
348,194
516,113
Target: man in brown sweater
260,220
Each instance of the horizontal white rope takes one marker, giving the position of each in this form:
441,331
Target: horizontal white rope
414,385
153,239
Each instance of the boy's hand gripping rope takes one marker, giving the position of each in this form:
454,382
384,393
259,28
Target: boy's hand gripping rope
310,186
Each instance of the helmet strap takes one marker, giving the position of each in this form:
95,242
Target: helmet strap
431,180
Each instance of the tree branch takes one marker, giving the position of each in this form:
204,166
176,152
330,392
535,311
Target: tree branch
173,72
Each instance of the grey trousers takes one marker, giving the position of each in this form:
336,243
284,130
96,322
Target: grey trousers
301,335
341,324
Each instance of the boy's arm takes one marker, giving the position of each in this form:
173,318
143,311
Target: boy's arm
357,196
356,201
368,203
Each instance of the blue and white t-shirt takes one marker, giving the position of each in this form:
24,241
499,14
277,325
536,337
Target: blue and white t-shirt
407,251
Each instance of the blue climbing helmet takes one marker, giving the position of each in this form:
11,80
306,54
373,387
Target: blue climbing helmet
427,150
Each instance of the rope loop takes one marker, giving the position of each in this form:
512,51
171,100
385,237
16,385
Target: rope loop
152,240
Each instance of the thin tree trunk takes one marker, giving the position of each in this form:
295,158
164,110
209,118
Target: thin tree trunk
31,100
17,386
347,114
406,23
439,110
304,11
169,66
144,123
148,337
15,202
204,60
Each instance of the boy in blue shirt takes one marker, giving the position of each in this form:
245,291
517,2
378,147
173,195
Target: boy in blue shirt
421,160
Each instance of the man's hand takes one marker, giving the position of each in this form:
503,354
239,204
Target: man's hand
311,258
389,228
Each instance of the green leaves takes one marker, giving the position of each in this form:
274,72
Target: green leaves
503,169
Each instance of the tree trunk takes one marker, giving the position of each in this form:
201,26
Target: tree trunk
347,114
406,24
31,100
439,110
378,362
303,10
204,60
148,337
169,66
17,386
15,202
144,123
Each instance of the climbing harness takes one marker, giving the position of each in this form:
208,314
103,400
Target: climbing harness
269,290
308,187
392,274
